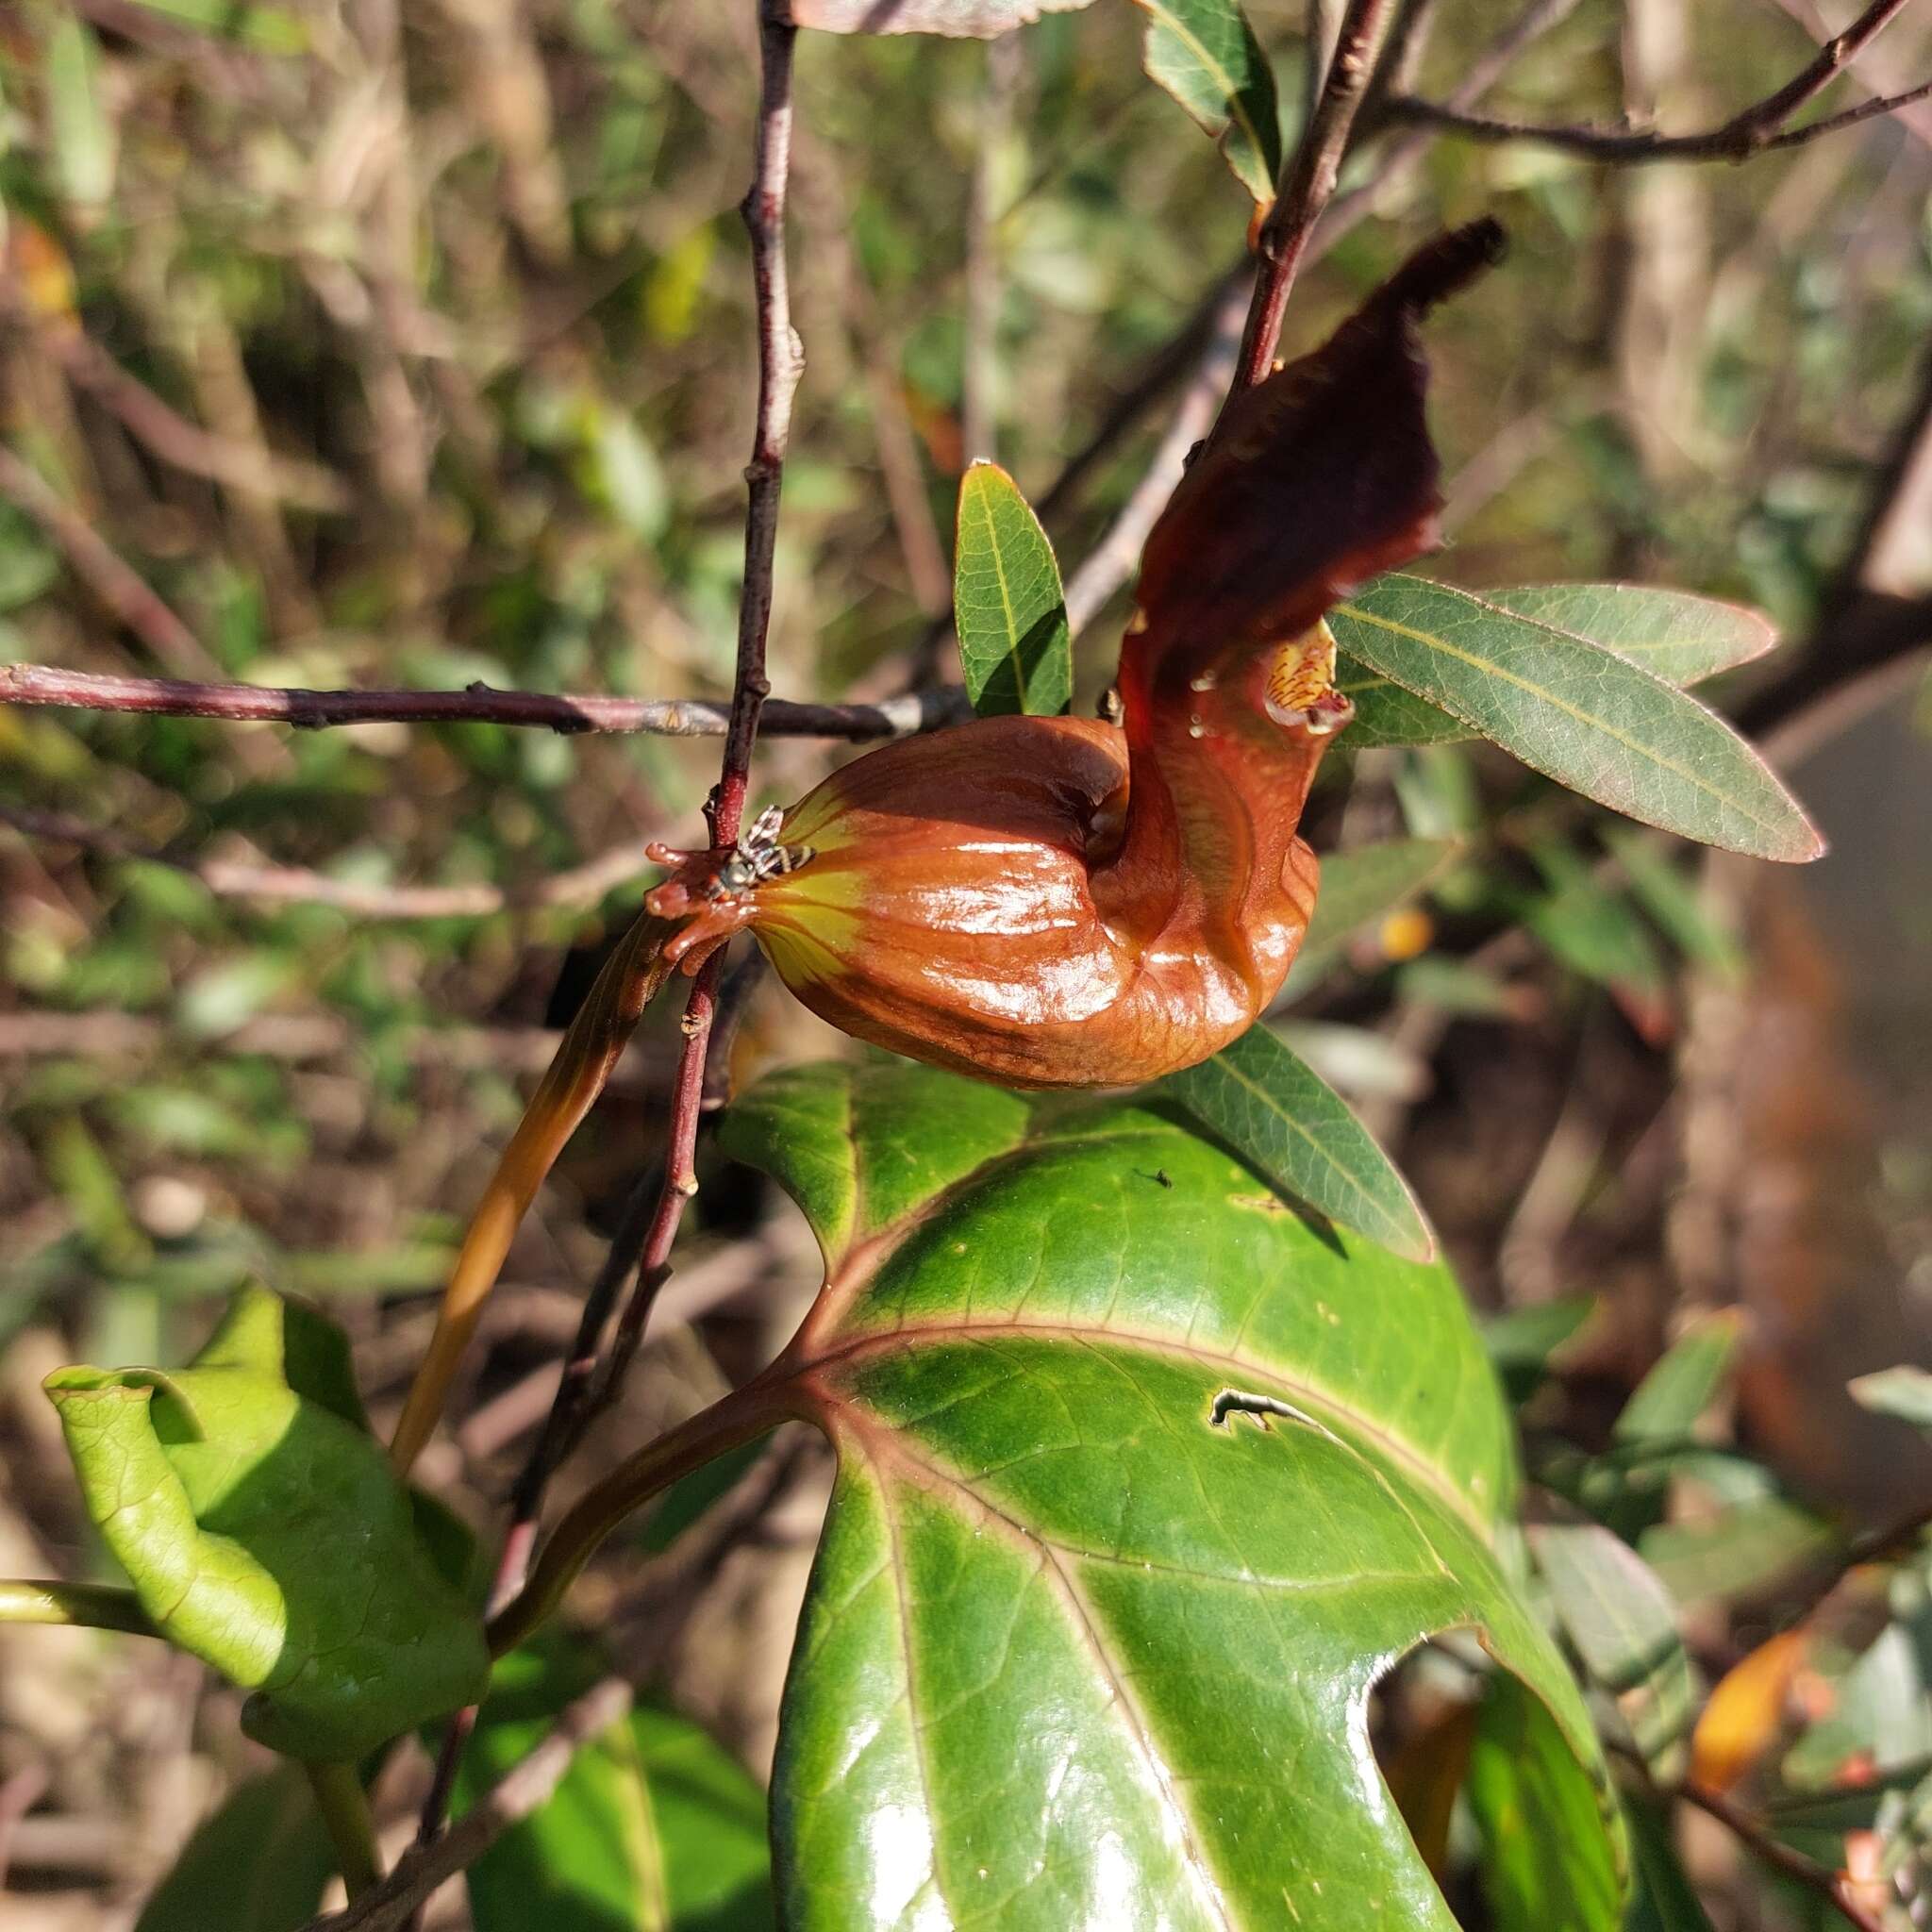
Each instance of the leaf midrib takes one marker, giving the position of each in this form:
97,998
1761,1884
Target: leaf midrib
1488,667
1389,1222
1408,1455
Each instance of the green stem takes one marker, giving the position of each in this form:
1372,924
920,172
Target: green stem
97,1605
344,1808
742,1417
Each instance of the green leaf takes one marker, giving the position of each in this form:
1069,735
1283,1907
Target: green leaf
1676,636
1544,1863
1683,1382
261,1864
83,136
1275,1111
269,30
1591,926
265,1532
1739,1555
1621,1620
1204,54
1522,1342
1672,900
1904,1392
1664,1899
1014,644
1576,713
1360,888
654,1828
1073,1657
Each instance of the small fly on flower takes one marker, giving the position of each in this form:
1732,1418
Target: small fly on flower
758,856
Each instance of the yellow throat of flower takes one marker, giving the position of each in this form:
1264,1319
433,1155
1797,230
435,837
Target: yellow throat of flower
1301,684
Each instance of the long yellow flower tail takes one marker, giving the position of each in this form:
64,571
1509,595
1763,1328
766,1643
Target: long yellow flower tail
632,977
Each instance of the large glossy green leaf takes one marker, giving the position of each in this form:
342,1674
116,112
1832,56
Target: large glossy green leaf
1204,54
1674,634
1014,644
654,1828
264,1531
1577,712
1545,1864
261,1864
1073,1657
1274,1110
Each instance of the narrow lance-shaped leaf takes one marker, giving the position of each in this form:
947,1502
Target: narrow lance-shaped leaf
1674,634
265,1532
1014,645
1578,713
1684,1382
1273,1109
1204,54
1665,1900
979,20
1621,1618
1143,1482
1358,889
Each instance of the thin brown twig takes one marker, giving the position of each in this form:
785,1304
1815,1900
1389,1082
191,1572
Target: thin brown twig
514,1797
249,704
1309,180
1111,560
781,362
1755,129
1876,77
1818,1879
1202,346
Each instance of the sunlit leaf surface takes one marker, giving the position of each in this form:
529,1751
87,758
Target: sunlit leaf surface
264,1531
1074,1656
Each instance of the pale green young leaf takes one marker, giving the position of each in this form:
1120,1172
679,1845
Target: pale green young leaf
265,1531
85,143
